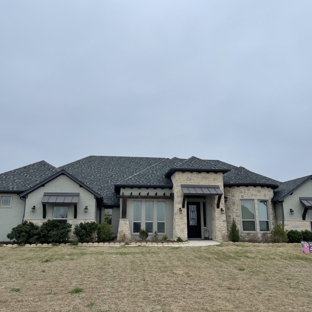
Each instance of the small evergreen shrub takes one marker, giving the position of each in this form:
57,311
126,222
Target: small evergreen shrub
85,232
294,236
278,234
179,239
53,231
155,237
143,234
23,233
234,232
164,238
306,236
104,232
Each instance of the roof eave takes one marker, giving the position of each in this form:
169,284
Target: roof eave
119,186
271,185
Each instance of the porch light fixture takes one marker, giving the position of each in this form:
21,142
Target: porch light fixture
86,209
33,208
222,210
180,210
291,211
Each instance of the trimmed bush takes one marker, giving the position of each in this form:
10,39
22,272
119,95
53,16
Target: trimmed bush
306,236
104,232
278,234
294,236
85,232
234,232
53,231
24,232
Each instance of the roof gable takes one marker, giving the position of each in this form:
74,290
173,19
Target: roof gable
54,176
288,187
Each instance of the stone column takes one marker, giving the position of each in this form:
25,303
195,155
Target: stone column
124,233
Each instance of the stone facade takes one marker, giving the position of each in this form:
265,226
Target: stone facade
297,225
234,196
124,232
219,230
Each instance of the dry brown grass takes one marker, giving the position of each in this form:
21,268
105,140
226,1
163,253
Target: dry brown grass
230,277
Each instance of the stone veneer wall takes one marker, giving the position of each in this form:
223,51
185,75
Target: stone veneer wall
233,206
124,230
219,230
297,225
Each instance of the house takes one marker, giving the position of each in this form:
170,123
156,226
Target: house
187,198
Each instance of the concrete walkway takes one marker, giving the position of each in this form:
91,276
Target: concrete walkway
198,243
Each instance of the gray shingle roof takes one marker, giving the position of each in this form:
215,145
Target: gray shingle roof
101,173
197,164
240,176
153,175
289,186
25,177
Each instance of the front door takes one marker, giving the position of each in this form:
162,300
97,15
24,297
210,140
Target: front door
193,220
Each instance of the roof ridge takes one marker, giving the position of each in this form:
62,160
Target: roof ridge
142,170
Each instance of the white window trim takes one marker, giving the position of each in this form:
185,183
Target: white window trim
257,221
10,206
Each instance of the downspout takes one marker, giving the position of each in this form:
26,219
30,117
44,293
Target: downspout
283,215
24,199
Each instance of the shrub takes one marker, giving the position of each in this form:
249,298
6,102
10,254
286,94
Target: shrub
294,236
306,236
53,231
155,237
143,234
179,239
104,232
85,232
164,238
24,232
234,233
278,234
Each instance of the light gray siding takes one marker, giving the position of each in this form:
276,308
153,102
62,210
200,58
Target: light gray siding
10,216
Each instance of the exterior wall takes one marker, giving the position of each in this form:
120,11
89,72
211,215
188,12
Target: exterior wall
294,221
151,192
61,184
218,220
10,216
233,206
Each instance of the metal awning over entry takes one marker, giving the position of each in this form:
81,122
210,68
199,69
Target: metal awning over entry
201,190
60,198
307,203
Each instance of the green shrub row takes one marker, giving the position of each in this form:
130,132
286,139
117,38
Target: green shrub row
53,231
295,236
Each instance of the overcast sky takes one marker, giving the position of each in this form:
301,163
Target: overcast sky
228,80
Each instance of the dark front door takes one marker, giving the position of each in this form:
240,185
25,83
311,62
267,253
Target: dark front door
193,220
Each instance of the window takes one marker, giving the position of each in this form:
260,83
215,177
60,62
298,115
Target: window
6,201
255,215
60,214
263,215
108,213
160,217
136,216
248,215
149,216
